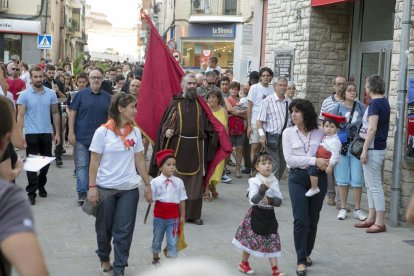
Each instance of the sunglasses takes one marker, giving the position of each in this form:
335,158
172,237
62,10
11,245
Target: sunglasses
15,69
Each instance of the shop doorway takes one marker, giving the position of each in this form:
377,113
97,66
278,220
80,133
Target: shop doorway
372,42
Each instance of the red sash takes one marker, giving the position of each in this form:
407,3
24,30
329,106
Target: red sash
323,153
166,210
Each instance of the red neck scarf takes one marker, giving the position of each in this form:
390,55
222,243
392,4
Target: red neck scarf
127,130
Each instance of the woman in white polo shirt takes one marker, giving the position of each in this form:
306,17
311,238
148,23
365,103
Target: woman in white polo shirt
116,157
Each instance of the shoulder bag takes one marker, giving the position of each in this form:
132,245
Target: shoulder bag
273,141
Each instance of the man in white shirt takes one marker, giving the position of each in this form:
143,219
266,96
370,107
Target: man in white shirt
258,92
272,119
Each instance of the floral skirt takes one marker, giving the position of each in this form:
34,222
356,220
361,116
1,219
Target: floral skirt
257,245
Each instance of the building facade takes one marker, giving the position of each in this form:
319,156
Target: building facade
22,21
199,29
312,41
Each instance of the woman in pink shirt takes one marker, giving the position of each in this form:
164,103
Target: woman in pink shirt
300,143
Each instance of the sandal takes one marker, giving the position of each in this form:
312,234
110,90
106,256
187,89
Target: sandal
238,175
301,272
213,191
375,228
207,198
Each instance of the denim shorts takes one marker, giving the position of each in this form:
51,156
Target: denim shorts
349,171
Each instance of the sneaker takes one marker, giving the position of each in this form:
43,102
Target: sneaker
245,268
81,200
42,192
342,214
276,272
32,200
359,214
226,179
331,200
312,192
246,171
59,163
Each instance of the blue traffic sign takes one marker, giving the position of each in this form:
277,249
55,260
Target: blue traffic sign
44,41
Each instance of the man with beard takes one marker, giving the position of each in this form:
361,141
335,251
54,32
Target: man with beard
186,129
55,84
88,110
32,104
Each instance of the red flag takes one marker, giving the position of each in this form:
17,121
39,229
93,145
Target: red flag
161,81
224,148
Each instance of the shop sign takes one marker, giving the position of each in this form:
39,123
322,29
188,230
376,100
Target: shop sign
410,114
19,26
283,65
212,31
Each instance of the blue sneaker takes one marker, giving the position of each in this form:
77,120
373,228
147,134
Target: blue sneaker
226,179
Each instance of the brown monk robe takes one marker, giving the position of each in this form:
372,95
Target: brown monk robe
194,143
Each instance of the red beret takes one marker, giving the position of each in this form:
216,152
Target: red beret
163,155
333,117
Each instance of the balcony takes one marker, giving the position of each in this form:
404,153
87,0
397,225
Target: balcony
4,5
204,11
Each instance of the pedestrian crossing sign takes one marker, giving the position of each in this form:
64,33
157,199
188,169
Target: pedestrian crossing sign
44,41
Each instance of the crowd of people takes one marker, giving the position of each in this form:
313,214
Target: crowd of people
267,129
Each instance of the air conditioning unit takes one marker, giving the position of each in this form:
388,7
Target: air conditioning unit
198,5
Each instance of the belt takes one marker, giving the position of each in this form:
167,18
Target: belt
189,137
297,169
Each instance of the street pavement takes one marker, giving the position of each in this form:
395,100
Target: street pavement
67,235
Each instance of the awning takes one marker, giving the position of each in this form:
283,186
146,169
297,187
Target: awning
317,3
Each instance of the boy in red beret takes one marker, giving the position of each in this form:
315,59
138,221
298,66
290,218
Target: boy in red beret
169,195
329,148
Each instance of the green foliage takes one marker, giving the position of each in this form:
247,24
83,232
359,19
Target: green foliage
77,65
102,64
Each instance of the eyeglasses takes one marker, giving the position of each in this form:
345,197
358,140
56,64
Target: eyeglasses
340,84
95,78
15,69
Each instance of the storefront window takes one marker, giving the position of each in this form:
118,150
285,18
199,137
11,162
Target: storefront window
12,46
378,20
195,54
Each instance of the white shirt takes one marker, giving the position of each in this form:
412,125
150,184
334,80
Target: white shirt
117,166
272,113
26,78
256,95
254,185
168,190
218,68
333,145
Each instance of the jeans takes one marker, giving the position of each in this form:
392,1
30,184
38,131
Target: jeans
373,179
168,227
115,220
305,211
38,144
82,159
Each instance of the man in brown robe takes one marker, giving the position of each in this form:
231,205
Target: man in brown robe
186,129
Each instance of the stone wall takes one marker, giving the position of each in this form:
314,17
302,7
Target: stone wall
320,37
407,169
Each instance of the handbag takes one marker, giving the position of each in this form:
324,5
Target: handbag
356,147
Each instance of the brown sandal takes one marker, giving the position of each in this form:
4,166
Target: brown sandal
213,191
364,224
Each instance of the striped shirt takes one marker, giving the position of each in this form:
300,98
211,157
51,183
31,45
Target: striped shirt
272,113
327,105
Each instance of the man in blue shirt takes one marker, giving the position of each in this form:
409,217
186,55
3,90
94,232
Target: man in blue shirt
33,113
88,110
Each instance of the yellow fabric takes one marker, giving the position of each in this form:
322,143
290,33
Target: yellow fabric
181,245
216,177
